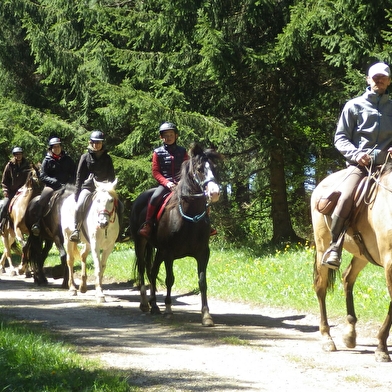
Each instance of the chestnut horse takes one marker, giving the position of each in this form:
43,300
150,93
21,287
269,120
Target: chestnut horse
182,230
15,227
98,233
368,239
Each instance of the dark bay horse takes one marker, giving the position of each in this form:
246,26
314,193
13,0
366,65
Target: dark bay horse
37,248
182,230
368,239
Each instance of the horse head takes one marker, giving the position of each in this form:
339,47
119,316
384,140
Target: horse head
202,169
105,202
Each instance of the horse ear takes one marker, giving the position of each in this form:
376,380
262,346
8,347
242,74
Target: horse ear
95,182
196,149
114,183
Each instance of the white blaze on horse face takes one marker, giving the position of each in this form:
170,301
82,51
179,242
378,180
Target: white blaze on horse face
212,192
105,210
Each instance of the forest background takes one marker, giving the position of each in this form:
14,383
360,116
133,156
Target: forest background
262,81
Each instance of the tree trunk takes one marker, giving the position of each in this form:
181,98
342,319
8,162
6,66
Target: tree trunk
282,227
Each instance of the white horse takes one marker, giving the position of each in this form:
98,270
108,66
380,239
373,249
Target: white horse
98,233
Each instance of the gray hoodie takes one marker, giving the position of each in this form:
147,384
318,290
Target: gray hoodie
365,122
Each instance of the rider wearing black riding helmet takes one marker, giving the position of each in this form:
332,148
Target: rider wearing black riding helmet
166,169
57,170
14,177
96,164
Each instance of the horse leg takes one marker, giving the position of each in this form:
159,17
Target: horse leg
83,258
7,241
206,319
142,251
100,261
153,283
71,251
39,275
349,277
381,353
169,281
63,271
322,276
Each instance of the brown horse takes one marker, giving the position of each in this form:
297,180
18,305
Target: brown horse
368,238
183,230
15,228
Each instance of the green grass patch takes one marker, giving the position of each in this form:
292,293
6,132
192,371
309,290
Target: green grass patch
31,360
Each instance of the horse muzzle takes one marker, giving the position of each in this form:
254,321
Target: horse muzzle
212,192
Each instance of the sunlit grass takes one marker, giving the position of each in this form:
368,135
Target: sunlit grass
31,361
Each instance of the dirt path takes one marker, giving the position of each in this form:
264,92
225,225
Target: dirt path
280,352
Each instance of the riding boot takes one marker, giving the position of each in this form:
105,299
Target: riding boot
334,251
75,235
36,228
146,228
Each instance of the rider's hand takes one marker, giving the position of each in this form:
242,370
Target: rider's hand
363,159
170,185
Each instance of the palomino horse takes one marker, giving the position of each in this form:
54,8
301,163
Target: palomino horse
15,227
368,239
37,248
98,233
182,230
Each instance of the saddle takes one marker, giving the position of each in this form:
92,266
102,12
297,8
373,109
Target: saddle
365,194
164,202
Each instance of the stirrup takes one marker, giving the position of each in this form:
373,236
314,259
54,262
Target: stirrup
35,229
331,258
75,236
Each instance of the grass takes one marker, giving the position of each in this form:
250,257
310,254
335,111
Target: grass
31,360
280,278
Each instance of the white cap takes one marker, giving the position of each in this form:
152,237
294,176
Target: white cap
379,69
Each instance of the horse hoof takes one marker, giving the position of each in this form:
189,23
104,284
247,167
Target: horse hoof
329,346
207,322
101,300
350,341
13,273
382,357
73,293
144,308
155,311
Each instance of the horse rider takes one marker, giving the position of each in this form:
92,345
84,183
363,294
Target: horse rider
14,177
96,164
364,137
57,170
166,169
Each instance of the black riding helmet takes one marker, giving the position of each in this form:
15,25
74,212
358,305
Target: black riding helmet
97,136
166,126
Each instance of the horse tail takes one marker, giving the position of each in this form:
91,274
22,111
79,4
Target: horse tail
144,257
331,280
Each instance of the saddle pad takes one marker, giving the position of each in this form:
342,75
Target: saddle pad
163,205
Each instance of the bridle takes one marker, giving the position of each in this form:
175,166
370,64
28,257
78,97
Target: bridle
202,183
